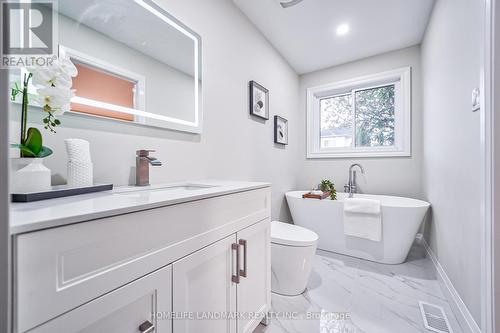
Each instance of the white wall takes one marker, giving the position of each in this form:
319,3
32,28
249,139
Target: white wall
232,146
5,306
495,99
392,176
451,141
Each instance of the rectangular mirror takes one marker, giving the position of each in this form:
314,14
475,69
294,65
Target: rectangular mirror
136,63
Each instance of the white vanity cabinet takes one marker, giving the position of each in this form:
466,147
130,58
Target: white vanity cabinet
194,259
227,278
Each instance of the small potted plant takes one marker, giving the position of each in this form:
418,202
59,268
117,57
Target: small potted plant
53,94
328,186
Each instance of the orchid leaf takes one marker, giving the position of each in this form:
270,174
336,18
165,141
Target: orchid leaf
26,152
44,152
34,140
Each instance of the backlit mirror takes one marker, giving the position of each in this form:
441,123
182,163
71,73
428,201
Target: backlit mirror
135,62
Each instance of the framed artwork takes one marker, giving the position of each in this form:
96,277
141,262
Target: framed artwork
259,100
280,130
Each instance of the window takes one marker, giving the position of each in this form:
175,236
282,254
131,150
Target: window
124,90
88,84
362,117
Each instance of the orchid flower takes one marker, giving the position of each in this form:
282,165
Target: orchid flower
54,88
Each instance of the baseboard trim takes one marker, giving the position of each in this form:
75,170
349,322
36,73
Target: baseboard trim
458,306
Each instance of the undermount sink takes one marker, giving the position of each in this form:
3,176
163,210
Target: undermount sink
163,188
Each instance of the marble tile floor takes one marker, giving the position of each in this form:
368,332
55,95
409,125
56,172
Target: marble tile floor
350,295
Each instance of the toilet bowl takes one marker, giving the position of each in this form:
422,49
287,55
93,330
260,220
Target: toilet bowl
292,254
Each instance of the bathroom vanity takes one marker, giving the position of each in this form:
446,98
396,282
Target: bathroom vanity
144,260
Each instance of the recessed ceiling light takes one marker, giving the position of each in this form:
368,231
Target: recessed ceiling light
343,29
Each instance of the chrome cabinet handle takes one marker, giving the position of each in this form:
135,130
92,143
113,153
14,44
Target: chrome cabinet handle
236,278
243,243
146,327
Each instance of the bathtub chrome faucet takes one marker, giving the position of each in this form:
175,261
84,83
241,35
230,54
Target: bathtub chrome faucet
351,187
142,162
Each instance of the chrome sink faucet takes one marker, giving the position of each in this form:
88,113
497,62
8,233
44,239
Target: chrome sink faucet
351,187
142,162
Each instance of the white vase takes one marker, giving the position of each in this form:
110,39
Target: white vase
80,173
29,175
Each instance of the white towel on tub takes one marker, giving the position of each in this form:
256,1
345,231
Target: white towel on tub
363,218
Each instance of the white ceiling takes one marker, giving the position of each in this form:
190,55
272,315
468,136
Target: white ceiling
305,34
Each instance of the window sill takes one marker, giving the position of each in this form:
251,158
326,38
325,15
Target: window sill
358,154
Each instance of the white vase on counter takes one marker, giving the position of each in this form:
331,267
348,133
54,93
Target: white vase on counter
80,173
80,167
29,175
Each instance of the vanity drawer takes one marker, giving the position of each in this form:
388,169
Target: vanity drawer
124,310
61,268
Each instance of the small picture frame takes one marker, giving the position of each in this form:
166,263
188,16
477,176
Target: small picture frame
280,130
259,100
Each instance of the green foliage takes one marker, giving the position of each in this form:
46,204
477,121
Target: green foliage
328,186
15,91
33,145
371,111
336,112
50,122
375,119
34,140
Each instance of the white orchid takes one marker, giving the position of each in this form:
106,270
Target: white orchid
67,65
55,99
53,85
50,76
58,74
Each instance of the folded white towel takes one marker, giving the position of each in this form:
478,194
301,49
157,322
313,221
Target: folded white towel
362,206
363,218
318,192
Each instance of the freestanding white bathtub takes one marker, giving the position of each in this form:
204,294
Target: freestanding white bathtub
401,219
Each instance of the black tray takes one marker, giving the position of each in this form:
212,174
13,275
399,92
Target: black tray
59,192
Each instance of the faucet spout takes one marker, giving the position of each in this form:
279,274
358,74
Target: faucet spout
142,162
351,187
153,161
356,165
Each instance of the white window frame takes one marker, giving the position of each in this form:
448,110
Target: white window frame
400,77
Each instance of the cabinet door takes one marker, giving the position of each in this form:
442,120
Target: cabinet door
202,287
254,290
140,306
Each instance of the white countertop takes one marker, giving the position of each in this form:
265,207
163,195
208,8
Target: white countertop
27,217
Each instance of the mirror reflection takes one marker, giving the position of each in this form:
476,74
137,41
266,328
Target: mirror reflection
135,63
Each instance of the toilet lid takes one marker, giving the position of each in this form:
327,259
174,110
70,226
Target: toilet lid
293,235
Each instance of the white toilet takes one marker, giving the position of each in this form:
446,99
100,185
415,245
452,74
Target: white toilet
292,254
